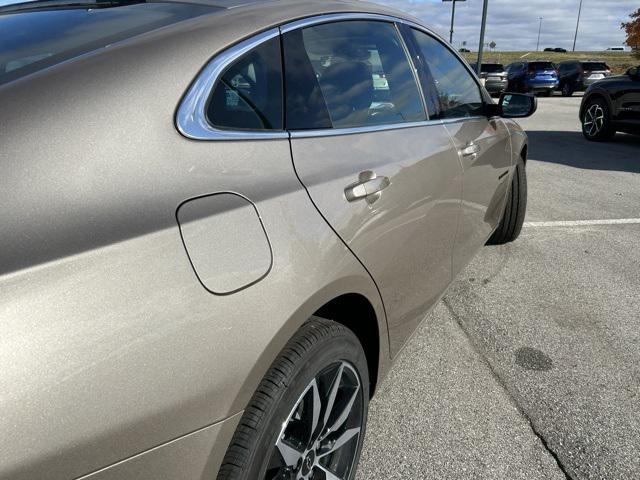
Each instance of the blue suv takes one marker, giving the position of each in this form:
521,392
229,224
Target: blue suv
532,77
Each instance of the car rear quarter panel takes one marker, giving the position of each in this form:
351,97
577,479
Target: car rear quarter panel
110,345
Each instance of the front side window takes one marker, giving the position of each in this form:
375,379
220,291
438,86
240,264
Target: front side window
248,95
458,94
349,74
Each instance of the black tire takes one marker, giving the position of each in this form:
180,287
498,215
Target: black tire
514,211
606,131
315,349
567,91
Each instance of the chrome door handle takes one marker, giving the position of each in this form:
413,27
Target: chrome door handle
470,149
369,186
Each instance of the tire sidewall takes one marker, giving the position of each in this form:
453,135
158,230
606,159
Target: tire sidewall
324,353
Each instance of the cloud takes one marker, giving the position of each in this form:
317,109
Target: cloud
513,24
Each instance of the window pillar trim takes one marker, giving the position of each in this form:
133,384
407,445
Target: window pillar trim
191,117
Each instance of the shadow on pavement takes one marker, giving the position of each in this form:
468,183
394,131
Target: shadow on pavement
572,149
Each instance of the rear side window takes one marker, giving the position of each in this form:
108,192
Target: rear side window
597,66
248,95
34,40
349,74
492,68
458,94
538,66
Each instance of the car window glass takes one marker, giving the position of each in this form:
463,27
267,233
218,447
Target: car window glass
594,66
34,40
540,66
457,91
349,74
492,68
248,95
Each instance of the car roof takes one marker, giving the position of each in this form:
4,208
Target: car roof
339,5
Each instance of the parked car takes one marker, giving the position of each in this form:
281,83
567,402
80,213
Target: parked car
537,76
578,75
612,105
619,49
221,222
494,75
556,49
464,50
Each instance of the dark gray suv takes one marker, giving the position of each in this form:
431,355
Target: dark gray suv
494,76
577,75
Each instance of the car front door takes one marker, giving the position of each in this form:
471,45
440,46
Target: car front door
386,179
483,144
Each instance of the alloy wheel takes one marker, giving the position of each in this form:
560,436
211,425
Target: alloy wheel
593,120
320,438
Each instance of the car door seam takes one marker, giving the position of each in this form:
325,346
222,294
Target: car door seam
384,308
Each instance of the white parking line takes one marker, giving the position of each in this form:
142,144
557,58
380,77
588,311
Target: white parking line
581,223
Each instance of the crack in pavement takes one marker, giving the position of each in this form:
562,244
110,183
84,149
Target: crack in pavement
476,348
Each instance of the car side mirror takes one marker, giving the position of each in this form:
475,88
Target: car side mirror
634,72
517,105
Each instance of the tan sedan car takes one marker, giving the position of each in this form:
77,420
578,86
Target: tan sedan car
221,221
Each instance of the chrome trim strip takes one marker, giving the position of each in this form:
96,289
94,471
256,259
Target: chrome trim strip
329,132
462,119
191,118
337,17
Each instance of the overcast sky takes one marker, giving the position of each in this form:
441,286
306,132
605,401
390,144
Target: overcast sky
513,24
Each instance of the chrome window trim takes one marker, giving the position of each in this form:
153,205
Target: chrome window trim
191,117
338,17
334,132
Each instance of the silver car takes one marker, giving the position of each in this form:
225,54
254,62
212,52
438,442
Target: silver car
221,222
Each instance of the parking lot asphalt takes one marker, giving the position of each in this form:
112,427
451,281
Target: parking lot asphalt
530,365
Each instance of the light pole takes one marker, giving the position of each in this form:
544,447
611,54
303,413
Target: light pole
539,30
453,15
485,6
577,26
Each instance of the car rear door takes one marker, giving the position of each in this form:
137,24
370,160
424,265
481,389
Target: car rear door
483,144
386,179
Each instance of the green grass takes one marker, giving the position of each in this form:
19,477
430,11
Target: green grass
618,61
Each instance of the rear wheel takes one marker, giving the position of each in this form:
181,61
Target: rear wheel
596,121
567,91
514,211
307,419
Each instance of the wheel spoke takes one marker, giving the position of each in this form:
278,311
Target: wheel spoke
328,474
345,412
341,441
290,455
332,395
317,406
